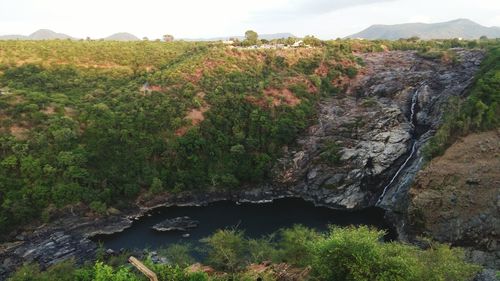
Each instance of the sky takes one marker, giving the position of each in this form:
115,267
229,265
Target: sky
326,19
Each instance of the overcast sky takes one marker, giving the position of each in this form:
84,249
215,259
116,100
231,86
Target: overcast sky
210,18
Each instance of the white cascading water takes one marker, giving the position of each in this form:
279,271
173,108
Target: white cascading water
414,100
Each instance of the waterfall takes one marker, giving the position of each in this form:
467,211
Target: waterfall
414,101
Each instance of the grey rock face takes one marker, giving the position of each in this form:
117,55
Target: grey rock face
48,247
486,275
371,126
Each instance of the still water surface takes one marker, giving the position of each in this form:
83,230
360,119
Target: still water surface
255,219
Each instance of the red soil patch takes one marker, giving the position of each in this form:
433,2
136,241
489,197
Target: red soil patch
155,88
19,132
310,86
322,70
195,115
208,64
275,97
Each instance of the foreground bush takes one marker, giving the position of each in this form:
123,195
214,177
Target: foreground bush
342,254
358,254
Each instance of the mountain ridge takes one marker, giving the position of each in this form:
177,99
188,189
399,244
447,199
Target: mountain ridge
47,34
122,36
458,28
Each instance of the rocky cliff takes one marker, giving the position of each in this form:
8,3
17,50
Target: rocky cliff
456,198
375,131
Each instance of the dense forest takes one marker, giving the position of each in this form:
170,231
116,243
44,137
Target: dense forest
96,124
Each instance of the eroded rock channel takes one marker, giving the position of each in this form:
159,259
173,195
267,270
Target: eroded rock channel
363,138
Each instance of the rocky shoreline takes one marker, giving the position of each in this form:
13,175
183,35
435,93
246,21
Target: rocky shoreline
55,242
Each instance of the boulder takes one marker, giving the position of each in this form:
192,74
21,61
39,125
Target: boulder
179,224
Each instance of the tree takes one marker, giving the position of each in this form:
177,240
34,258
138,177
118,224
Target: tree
312,41
168,38
251,37
156,186
226,249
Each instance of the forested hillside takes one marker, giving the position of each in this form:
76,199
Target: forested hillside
99,122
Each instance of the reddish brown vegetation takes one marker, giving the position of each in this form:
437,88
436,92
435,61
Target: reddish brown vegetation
275,97
195,116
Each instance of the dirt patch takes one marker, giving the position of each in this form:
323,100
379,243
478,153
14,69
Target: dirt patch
195,115
69,111
311,88
49,110
456,198
322,70
19,132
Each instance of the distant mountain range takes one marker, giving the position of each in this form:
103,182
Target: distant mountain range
460,28
46,34
42,34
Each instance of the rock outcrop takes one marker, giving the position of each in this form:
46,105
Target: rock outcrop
176,224
456,198
370,131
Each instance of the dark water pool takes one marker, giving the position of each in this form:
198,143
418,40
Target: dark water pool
255,219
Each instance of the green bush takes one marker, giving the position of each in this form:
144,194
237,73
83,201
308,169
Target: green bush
98,207
178,254
227,250
330,153
294,245
357,254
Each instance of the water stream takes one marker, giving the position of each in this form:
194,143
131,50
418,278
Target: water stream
413,123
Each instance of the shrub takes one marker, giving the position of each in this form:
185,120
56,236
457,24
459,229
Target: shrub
98,207
351,72
226,249
331,153
294,245
178,254
358,254
156,186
